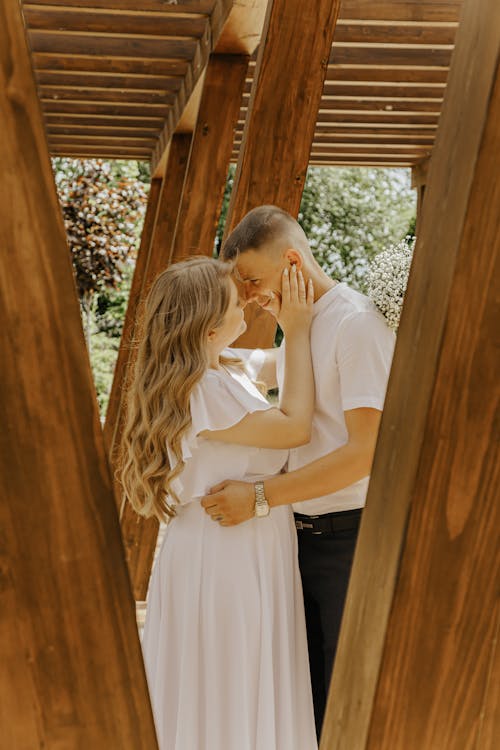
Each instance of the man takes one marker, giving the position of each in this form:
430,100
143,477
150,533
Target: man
327,479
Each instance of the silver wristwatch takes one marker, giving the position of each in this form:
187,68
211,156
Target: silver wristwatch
261,504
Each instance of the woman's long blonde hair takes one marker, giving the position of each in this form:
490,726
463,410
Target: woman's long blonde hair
185,302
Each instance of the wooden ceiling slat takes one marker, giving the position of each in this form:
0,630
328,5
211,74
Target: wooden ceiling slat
90,151
92,130
384,34
146,142
410,56
137,6
58,93
106,64
103,108
387,74
380,90
380,132
372,104
124,82
368,150
122,120
95,64
363,124
114,46
447,11
99,21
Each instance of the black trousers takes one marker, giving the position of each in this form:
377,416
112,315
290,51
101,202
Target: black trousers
325,565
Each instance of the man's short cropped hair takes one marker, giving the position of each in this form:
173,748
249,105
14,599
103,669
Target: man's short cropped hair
262,226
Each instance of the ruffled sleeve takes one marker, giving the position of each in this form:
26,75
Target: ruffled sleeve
218,402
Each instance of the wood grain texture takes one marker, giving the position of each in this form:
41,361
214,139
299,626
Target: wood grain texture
443,623
427,535
210,156
127,337
71,666
268,170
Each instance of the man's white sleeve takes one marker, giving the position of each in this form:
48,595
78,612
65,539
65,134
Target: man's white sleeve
365,346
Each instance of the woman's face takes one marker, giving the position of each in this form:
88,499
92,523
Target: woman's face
233,324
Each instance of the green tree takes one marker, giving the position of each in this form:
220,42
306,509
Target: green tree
103,206
351,214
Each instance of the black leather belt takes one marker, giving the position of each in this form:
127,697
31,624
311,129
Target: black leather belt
328,523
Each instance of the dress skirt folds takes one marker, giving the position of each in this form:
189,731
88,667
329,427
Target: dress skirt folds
224,641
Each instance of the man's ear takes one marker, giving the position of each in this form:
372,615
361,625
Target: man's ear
294,258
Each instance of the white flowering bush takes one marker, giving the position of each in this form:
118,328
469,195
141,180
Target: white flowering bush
388,277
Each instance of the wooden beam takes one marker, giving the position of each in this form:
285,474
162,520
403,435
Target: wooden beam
189,97
210,156
417,641
419,174
268,170
73,674
127,337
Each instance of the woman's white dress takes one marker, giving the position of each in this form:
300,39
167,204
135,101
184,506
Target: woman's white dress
224,640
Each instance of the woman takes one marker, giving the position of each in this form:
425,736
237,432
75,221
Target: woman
224,640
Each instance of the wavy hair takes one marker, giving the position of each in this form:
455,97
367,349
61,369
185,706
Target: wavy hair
185,302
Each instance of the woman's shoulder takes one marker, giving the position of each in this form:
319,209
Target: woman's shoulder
230,381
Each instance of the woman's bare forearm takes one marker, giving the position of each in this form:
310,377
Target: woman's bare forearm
297,394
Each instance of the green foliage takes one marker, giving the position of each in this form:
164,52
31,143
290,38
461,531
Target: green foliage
351,214
103,355
102,205
111,304
225,205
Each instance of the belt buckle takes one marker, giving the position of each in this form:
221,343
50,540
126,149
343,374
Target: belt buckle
300,525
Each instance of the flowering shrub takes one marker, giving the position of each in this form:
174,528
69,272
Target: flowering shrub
388,277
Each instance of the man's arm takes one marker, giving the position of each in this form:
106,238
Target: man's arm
261,367
235,501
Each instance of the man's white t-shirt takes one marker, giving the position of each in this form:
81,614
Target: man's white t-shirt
352,348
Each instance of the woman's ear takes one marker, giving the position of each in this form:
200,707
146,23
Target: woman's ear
294,258
211,334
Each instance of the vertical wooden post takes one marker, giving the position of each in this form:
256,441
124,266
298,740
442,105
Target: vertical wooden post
210,156
281,118
417,652
126,340
168,207
419,174
72,669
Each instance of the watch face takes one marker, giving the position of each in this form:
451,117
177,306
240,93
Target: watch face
261,509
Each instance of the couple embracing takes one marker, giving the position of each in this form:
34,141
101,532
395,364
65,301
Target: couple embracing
263,501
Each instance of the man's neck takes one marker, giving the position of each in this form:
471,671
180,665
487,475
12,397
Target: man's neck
322,282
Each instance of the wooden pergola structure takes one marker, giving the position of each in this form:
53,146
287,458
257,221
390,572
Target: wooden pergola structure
275,86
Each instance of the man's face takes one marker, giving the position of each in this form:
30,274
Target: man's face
258,275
